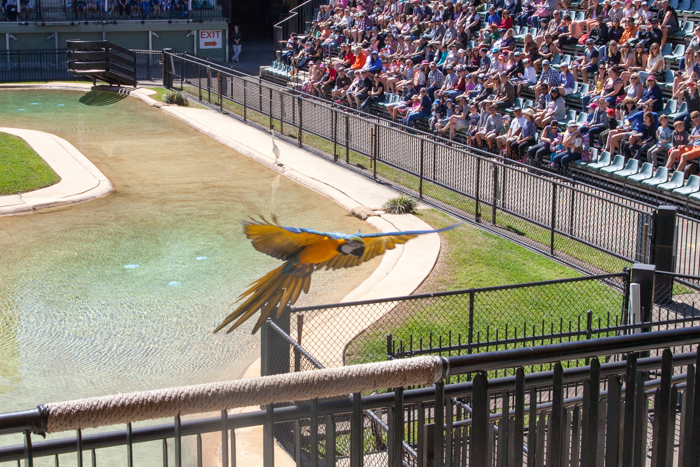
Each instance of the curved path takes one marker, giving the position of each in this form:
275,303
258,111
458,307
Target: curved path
80,179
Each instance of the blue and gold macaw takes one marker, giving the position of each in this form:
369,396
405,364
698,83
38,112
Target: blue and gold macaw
304,251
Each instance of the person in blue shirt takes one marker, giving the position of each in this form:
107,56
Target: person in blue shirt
425,108
375,64
493,17
631,130
652,94
567,82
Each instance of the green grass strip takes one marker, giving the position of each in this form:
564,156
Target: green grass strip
21,168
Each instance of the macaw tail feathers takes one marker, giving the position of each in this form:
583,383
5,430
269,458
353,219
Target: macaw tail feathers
275,290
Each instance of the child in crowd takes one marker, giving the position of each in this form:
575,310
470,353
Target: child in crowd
663,140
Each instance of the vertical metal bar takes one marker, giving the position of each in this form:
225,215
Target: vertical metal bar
687,420
356,428
79,446
477,214
260,106
335,134
375,149
421,441
695,435
347,139
422,157
494,198
281,96
439,420
391,436
178,441
245,100
478,452
449,439
640,428
93,455
330,441
199,81
270,104
670,440
397,442
233,447
532,428
313,439
28,451
630,410
299,143
199,450
297,443
612,444
554,448
269,438
224,438
575,436
519,421
662,411
165,452
129,446
554,218
590,434
503,431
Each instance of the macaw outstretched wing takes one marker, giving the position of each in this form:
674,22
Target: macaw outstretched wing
376,244
278,241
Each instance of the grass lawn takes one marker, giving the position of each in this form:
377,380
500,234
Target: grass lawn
160,92
472,258
21,168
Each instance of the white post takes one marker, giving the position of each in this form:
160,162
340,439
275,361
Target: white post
635,309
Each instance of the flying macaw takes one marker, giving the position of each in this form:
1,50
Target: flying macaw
304,251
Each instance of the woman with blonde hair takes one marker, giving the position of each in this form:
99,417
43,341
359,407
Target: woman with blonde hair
654,65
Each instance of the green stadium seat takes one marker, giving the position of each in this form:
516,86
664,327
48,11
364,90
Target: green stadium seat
677,52
556,60
684,6
617,165
693,186
582,89
680,110
674,4
695,197
571,116
580,16
677,181
666,50
594,156
670,107
646,172
603,161
582,117
631,168
660,177
687,29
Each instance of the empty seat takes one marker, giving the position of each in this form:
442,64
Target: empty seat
603,161
693,186
680,110
666,50
677,180
582,89
582,117
684,5
617,164
677,52
571,116
631,168
670,107
660,177
646,172
687,29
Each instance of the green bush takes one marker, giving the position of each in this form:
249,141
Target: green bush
401,205
175,97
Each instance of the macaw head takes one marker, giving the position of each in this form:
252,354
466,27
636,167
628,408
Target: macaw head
353,247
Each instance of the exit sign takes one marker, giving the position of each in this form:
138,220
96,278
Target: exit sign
210,39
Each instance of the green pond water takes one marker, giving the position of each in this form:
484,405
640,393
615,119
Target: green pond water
122,293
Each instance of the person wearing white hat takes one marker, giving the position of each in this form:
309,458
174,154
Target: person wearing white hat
526,138
573,145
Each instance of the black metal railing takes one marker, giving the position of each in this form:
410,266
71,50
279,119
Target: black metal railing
580,225
613,413
17,66
42,11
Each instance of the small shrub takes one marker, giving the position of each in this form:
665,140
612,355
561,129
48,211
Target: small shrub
401,205
175,97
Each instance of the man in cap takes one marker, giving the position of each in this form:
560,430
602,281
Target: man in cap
409,94
600,34
588,63
567,83
505,93
505,141
342,83
518,68
668,19
435,80
450,83
652,95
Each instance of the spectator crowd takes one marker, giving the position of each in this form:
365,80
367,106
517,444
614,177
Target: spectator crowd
459,69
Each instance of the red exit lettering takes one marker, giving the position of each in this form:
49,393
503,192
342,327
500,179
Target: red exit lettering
209,34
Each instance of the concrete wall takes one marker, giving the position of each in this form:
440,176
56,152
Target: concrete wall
132,35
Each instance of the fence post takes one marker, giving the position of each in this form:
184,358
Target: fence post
199,81
644,275
220,79
495,193
477,214
554,218
347,139
375,149
300,114
271,125
335,134
167,72
245,100
281,112
422,156
663,250
274,350
389,347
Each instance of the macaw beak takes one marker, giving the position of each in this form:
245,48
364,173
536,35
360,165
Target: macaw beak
352,247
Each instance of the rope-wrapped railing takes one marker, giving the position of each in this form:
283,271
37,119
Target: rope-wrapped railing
148,405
